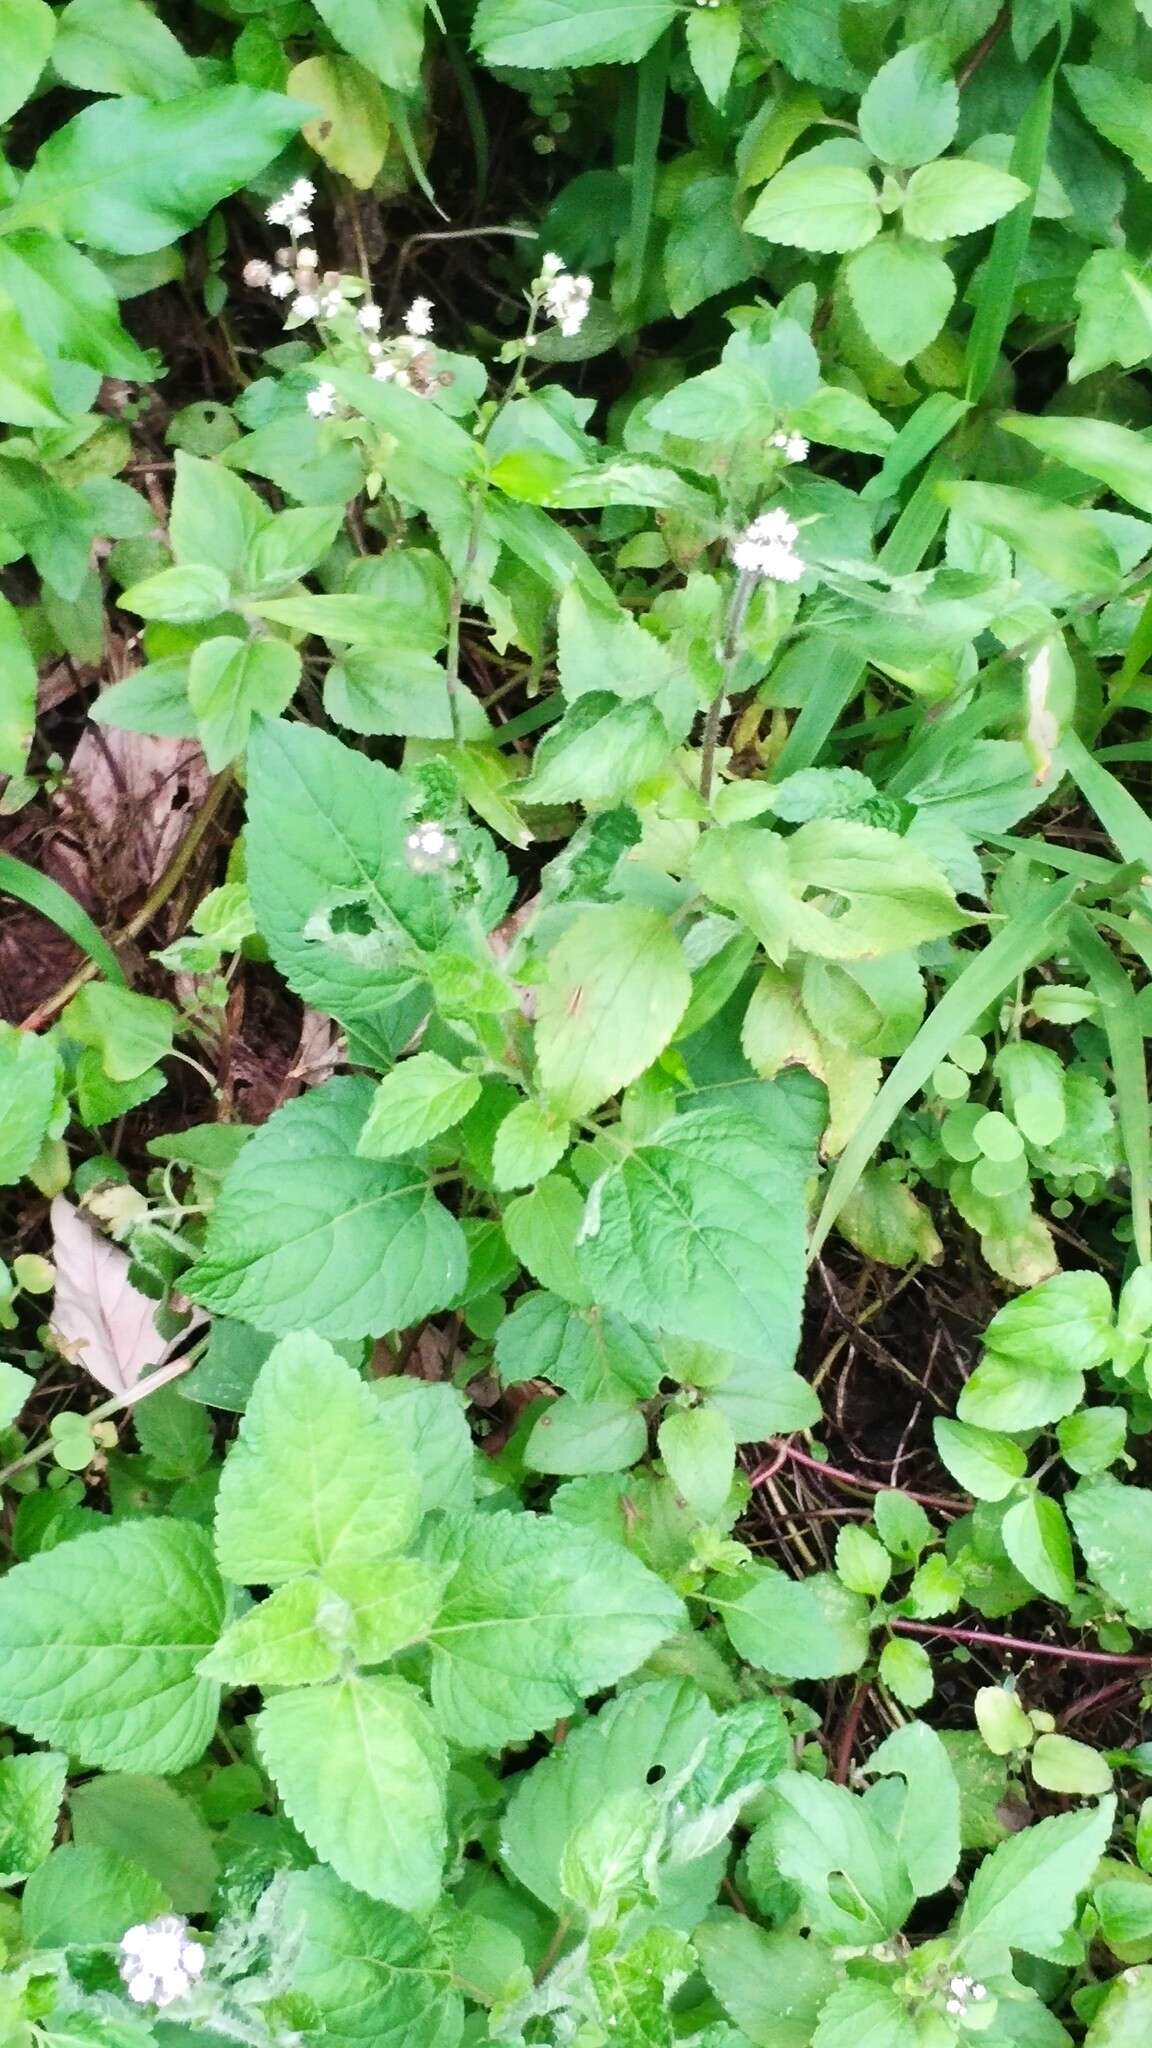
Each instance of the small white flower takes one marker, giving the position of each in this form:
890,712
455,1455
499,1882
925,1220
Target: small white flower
257,274
767,548
978,1993
281,211
551,267
955,2008
158,1962
429,848
375,350
384,372
307,306
370,317
302,194
566,298
299,224
331,303
418,318
307,259
959,1986
794,446
321,400
281,285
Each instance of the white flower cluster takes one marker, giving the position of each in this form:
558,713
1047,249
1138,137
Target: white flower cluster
964,1991
291,209
429,849
707,3
793,446
158,1962
565,298
768,548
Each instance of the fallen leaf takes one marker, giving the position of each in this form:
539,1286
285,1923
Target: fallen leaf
142,792
99,1320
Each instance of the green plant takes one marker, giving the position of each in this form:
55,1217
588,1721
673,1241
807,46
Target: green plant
668,653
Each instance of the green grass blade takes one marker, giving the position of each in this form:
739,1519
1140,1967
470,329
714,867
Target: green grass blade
1117,997
1016,945
1010,240
1126,822
647,127
41,893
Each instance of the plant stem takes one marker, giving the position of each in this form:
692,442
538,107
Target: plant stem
980,1640
162,1377
950,1503
741,596
848,1733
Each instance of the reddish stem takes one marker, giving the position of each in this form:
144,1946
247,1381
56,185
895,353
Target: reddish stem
992,1642
1118,1688
847,1742
951,1503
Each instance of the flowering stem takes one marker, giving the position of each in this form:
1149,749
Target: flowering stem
737,611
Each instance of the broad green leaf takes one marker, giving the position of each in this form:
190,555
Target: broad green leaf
537,1617
601,647
699,1453
130,1032
598,753
87,1897
795,1628
820,1834
305,1233
707,250
862,1562
902,291
27,32
361,1770
1073,1768
432,1420
956,196
1064,543
121,46
387,38
105,177
1024,1894
25,380
713,35
529,1143
1035,1535
331,890
31,1789
772,1985
700,1232
421,1097
1115,456
27,1097
573,1437
376,1977
99,1643
1115,323
1119,106
910,110
542,34
589,1352
817,206
542,1228
1113,1525
149,1822
232,681
67,304
863,2015
927,1827
1038,1348
986,1464
304,1633
615,988
659,1726
318,1475
179,596
15,1388
1123,2018
216,518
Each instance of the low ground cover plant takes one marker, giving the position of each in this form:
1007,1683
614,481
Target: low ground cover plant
574,1128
